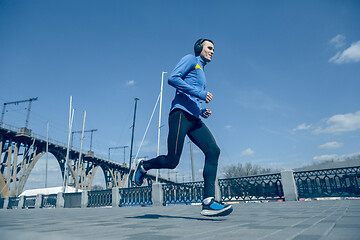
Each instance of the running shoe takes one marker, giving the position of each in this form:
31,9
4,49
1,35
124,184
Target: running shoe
216,209
139,173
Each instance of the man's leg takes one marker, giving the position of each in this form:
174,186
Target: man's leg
203,138
179,125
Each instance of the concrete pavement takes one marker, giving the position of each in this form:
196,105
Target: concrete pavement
330,219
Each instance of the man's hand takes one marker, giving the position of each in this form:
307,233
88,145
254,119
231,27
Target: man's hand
209,96
206,113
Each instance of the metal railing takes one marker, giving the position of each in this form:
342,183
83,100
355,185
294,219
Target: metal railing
38,137
29,201
185,193
252,188
338,182
13,203
9,127
100,198
138,196
49,201
51,141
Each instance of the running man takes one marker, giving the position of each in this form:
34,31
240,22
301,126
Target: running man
188,78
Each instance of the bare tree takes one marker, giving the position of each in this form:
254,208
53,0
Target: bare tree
248,169
97,187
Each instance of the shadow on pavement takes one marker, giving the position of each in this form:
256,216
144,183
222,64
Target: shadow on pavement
157,216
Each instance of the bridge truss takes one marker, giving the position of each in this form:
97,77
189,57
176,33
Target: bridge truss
20,150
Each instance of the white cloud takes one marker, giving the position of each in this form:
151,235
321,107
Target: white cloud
325,157
228,126
302,126
335,157
349,55
341,123
130,83
331,145
338,41
247,153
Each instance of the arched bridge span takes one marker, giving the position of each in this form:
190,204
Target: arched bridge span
20,151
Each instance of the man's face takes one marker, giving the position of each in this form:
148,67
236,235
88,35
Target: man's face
207,51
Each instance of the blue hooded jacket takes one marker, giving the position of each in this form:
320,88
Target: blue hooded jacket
188,78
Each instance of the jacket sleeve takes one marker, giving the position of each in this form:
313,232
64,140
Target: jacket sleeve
176,80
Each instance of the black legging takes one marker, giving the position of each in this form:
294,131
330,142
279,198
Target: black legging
181,124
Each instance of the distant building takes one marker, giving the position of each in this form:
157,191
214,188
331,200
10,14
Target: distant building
47,191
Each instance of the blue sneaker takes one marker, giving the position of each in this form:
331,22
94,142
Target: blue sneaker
139,173
216,209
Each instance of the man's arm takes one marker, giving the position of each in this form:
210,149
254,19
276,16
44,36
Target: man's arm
185,65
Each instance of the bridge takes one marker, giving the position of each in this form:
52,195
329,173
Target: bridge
20,150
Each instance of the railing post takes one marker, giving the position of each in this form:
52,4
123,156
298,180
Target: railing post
115,197
21,202
6,203
217,190
60,202
157,194
289,185
38,201
84,199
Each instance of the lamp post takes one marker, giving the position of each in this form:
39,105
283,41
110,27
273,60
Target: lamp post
160,108
132,139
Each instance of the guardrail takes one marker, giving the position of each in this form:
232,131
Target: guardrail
338,182
138,196
29,202
185,193
51,141
253,188
100,198
49,201
13,202
40,138
9,127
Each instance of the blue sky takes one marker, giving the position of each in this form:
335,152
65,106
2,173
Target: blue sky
285,75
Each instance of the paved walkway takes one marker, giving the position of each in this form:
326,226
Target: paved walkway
330,219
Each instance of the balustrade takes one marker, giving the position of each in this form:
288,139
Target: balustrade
339,182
